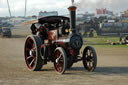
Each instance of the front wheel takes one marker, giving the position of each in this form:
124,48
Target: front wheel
60,60
89,59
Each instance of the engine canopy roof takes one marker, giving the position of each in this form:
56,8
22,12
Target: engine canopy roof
52,19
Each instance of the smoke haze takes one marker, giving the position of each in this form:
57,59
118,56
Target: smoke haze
114,5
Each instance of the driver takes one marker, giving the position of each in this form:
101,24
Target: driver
65,28
44,31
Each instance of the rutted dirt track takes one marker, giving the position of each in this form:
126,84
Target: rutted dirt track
112,68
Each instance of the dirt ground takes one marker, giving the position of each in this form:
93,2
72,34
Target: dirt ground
112,67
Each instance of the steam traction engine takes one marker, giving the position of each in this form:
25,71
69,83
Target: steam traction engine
55,39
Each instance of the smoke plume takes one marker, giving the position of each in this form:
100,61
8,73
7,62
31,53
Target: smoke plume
114,5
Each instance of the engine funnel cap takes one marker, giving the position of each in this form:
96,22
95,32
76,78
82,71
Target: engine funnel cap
72,8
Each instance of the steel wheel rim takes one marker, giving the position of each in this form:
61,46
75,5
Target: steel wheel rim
59,61
30,53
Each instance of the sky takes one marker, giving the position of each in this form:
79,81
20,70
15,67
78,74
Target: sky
34,6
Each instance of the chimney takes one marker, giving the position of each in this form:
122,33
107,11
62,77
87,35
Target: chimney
72,10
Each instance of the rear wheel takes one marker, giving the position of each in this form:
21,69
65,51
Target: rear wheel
60,60
32,53
89,59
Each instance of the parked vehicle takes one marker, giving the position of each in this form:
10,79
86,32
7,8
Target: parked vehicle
5,32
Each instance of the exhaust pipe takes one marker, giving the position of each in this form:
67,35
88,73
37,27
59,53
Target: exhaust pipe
72,10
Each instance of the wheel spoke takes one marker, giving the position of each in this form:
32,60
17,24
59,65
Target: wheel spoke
32,62
91,54
27,49
29,57
58,67
89,64
60,55
34,48
86,55
91,59
88,52
30,41
57,54
59,58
